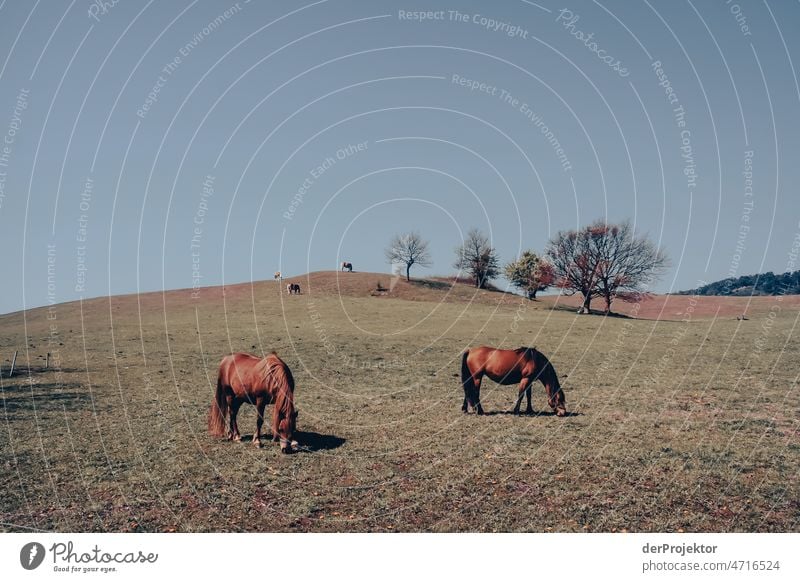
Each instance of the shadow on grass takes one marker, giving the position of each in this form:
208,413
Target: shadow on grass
23,387
23,371
313,441
534,413
431,284
309,442
574,310
23,399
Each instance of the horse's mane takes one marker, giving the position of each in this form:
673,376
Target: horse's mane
544,365
276,373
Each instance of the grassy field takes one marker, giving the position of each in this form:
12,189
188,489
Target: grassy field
675,425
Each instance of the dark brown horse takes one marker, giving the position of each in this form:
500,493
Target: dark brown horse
347,266
523,366
259,381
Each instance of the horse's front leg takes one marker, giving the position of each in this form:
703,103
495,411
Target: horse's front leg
261,404
275,436
524,387
529,408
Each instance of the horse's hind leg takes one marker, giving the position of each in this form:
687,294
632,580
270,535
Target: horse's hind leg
476,394
231,400
234,433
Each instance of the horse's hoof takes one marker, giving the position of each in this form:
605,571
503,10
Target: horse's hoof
561,412
257,443
237,438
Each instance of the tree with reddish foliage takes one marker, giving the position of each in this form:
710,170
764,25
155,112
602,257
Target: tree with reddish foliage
570,253
605,260
530,273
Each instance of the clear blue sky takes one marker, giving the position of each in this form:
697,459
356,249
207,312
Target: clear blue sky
104,186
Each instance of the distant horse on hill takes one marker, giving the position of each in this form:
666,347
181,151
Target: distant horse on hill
523,366
293,288
277,276
259,381
347,266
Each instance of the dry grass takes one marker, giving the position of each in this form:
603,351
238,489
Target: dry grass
677,425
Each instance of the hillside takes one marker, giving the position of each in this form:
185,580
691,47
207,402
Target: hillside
434,290
357,284
680,307
764,284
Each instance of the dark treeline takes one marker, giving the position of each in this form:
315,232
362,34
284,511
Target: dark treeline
764,284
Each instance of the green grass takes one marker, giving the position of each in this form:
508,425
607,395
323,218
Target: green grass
676,426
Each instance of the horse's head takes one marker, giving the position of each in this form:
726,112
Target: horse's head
287,424
555,395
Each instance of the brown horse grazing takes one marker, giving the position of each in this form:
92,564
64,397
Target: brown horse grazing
259,381
523,365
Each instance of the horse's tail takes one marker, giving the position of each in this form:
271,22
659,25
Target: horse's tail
466,374
218,410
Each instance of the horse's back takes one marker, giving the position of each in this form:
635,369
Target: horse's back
235,369
502,366
239,359
478,358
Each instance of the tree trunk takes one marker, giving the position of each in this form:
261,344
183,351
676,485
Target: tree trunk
408,272
587,301
532,294
608,304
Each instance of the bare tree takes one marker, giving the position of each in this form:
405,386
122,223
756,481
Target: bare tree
626,263
530,273
409,250
605,260
477,257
